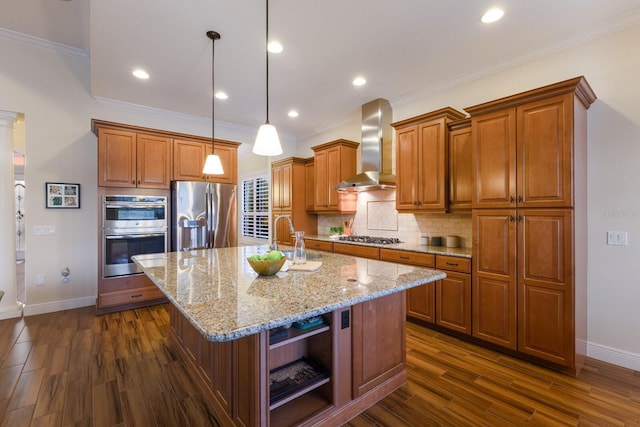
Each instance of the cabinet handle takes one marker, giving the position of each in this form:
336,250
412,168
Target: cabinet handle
133,182
511,199
136,296
452,263
511,218
520,218
520,199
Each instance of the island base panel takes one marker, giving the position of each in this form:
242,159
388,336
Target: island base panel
234,375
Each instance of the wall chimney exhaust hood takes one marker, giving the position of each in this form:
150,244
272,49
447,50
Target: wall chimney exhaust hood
376,150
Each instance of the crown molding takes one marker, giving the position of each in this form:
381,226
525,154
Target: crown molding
43,44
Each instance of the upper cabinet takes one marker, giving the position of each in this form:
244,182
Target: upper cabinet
131,156
288,188
130,159
189,156
333,163
523,148
422,159
460,178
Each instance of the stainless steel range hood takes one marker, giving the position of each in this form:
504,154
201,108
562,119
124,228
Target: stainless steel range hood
376,150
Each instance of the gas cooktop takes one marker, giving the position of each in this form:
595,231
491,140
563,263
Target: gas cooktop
371,239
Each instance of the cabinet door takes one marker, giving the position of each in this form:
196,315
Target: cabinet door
334,174
154,161
421,302
407,175
460,179
378,339
545,153
229,159
116,158
188,160
321,167
453,302
545,284
494,276
276,187
310,185
432,166
494,159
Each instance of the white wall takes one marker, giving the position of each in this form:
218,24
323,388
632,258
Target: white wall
611,65
52,90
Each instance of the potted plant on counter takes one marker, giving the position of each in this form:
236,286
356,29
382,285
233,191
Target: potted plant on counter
335,232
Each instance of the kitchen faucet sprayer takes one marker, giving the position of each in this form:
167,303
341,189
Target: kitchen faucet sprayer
274,246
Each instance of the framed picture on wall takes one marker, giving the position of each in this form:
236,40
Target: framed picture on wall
62,196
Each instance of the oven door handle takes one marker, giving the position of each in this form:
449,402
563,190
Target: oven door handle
129,236
136,205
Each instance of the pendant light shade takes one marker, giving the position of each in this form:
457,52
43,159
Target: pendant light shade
213,165
267,142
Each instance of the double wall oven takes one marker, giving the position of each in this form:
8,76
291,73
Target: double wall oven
131,225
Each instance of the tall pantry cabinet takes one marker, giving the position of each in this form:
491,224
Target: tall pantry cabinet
529,221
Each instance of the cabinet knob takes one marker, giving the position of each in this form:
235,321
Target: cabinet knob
520,199
511,218
511,199
520,218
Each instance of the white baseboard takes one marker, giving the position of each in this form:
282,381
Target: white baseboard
615,356
12,312
50,307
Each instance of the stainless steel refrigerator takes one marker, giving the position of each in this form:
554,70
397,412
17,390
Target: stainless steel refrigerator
203,215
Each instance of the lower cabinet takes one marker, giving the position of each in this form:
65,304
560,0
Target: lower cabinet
341,366
453,294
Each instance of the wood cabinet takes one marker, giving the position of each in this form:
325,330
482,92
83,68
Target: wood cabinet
421,303
460,166
133,156
422,146
334,162
453,294
310,184
189,156
288,187
130,159
529,222
370,252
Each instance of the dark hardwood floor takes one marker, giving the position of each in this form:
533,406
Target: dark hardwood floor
73,368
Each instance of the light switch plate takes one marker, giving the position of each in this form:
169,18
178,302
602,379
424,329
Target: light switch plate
44,230
617,238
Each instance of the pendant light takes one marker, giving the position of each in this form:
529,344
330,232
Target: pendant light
267,142
213,165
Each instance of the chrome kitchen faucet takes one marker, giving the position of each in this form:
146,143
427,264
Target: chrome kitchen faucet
274,246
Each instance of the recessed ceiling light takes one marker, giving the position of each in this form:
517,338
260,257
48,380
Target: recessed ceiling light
492,15
221,95
359,81
140,73
293,113
275,47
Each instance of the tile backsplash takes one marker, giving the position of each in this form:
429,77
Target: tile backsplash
377,216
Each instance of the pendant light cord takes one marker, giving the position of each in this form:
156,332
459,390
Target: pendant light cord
267,57
213,35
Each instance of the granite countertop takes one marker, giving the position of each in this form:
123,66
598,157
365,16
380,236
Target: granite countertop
221,295
437,250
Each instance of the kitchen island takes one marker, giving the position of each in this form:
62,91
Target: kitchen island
232,327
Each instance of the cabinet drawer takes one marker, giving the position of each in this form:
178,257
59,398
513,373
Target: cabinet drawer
356,250
129,296
405,257
452,263
319,245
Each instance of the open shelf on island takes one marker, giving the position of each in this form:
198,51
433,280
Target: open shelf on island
293,334
293,380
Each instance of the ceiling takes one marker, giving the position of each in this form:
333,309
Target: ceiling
404,48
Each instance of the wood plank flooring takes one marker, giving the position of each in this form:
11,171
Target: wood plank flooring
73,368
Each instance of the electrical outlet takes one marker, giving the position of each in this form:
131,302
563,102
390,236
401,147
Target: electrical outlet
617,238
40,280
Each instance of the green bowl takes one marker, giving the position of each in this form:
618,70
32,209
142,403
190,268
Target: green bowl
267,267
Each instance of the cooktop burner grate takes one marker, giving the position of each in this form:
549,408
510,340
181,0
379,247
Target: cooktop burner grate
371,239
